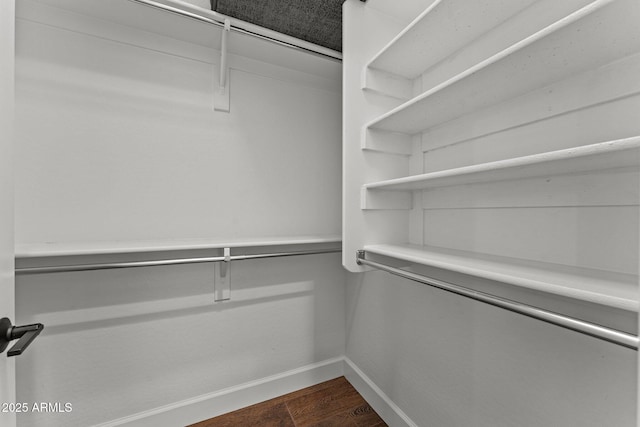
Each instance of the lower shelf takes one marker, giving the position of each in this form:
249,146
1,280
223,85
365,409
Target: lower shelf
597,286
120,247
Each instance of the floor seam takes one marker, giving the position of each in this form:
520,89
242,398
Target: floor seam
293,420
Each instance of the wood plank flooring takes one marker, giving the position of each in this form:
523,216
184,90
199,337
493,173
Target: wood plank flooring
333,403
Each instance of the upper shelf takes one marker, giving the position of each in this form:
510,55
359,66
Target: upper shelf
442,28
601,156
167,24
600,287
121,247
571,45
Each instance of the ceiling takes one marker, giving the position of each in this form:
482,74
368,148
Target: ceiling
315,21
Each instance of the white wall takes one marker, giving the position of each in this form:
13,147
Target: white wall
450,362
118,141
121,342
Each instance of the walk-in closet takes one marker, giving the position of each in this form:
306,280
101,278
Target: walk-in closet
353,213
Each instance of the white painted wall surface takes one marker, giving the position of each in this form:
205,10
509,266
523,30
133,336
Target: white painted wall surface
122,342
118,140
450,362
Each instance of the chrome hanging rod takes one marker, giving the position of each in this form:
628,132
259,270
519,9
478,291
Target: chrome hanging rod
218,20
607,334
174,261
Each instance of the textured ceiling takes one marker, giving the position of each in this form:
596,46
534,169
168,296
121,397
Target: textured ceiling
315,21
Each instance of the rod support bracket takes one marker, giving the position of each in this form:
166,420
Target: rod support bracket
359,255
222,279
221,96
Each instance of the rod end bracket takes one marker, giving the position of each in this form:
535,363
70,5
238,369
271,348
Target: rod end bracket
221,96
359,255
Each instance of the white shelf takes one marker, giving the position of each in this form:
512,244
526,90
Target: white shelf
601,287
594,157
182,35
119,247
571,45
444,27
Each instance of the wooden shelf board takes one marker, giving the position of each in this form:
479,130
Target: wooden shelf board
594,157
37,250
596,286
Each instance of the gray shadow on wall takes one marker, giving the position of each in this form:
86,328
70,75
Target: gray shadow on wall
77,301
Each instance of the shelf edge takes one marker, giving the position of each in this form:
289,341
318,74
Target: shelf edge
84,248
494,59
600,148
579,294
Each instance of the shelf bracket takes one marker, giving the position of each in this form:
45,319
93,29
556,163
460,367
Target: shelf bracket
386,142
221,283
221,96
385,200
386,84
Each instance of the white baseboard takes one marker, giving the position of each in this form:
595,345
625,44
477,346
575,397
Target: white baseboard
379,401
220,402
213,404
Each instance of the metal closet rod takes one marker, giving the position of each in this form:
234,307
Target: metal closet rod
174,261
220,23
607,334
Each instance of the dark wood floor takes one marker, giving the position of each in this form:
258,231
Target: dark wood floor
333,403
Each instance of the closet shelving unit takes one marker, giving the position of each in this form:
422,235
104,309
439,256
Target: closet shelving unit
81,256
64,249
566,47
458,65
90,256
416,49
606,288
589,158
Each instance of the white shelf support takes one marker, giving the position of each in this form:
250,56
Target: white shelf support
387,84
221,98
386,142
386,200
